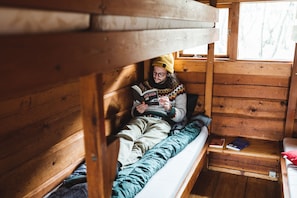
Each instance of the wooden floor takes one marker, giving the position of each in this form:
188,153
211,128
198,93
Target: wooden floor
211,184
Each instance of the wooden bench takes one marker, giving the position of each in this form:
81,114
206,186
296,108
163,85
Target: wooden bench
260,159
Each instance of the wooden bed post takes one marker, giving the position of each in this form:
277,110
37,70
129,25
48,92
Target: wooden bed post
209,73
292,103
209,79
100,157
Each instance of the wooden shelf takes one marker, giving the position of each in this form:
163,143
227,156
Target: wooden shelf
260,159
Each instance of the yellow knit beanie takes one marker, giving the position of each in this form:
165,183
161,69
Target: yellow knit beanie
166,61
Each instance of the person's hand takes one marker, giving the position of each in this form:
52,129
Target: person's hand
141,108
165,102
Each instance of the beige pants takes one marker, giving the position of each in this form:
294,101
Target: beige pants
139,135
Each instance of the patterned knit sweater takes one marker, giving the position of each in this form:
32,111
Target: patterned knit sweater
177,97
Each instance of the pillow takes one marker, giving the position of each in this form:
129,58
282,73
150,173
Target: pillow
191,104
291,155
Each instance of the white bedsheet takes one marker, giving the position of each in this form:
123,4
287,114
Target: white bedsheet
291,144
166,182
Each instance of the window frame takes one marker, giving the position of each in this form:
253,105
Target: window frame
180,54
232,38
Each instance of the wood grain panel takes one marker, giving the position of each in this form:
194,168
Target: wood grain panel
244,163
223,185
183,9
242,79
29,109
292,104
94,134
92,6
52,58
223,189
101,155
205,185
120,78
254,108
195,88
191,77
38,170
117,101
20,145
189,65
250,91
254,68
248,127
256,188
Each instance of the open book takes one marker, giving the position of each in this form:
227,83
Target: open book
150,96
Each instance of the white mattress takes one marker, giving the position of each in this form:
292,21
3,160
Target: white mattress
166,182
291,144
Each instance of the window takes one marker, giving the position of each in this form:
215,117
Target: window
265,30
221,45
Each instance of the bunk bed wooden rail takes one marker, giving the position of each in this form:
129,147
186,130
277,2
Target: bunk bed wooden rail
51,58
48,59
33,61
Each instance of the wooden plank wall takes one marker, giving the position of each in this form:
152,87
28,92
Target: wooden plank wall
192,74
41,136
249,98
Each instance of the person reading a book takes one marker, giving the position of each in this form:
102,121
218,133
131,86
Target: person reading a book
152,122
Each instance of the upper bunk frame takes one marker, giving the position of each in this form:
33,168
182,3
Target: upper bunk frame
41,59
50,58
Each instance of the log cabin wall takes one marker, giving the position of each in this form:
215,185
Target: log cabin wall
41,131
41,139
249,98
42,136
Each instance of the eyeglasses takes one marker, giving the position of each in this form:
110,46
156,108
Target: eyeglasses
160,75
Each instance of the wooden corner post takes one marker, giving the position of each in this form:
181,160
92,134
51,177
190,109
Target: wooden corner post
100,157
209,73
292,101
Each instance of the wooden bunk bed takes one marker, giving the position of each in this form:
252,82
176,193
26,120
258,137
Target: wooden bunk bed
161,27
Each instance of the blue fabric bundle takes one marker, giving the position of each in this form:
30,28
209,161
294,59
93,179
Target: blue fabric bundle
132,179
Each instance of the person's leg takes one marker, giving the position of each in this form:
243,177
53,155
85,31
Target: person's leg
156,131
132,131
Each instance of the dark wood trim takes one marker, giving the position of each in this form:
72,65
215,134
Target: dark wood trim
233,31
31,61
209,80
292,102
